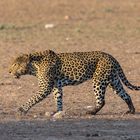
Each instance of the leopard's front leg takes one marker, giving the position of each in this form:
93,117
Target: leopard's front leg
46,86
57,93
58,96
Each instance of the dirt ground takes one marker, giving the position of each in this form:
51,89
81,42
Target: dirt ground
68,26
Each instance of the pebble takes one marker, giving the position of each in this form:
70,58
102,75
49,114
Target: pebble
47,26
35,116
48,114
89,107
66,17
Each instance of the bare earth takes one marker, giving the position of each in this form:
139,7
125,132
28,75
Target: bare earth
84,25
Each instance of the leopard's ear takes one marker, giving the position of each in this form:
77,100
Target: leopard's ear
37,56
22,58
52,53
49,53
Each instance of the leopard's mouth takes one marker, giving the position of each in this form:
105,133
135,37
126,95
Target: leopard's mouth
17,76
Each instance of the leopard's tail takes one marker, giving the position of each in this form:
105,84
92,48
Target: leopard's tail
124,79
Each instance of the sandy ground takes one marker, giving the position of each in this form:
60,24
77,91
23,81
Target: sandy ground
110,26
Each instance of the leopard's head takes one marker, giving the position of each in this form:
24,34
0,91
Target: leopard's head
20,66
28,63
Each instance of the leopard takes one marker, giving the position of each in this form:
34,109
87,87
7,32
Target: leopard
57,70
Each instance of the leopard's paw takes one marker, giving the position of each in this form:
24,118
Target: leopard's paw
59,115
21,111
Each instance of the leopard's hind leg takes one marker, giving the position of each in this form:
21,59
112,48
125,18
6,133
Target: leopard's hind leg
120,91
99,91
99,88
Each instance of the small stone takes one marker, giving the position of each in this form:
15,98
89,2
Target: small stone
67,38
89,107
47,114
49,26
35,116
66,17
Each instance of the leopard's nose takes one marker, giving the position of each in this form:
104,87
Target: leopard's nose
10,71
